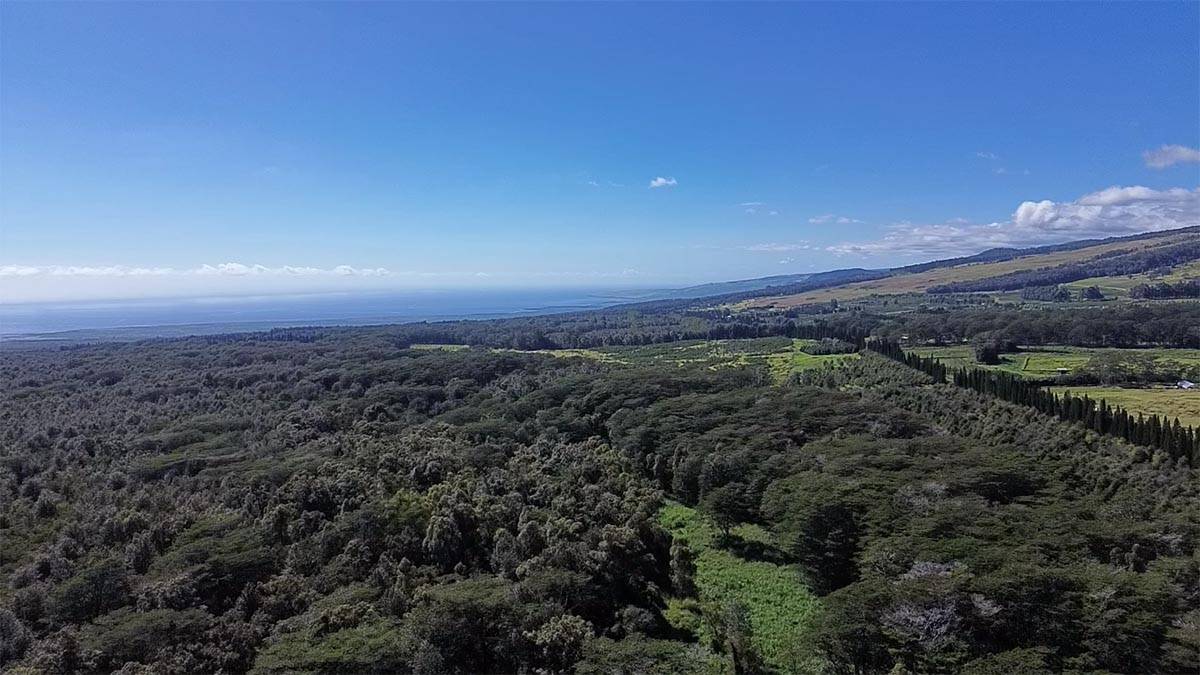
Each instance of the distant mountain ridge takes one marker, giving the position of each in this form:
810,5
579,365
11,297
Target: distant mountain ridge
791,284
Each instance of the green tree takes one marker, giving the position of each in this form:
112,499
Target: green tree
731,629
726,506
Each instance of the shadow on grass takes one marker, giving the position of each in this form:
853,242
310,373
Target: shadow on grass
747,549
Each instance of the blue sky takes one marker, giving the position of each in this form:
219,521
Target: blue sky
218,147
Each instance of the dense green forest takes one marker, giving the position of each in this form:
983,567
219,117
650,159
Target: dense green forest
359,500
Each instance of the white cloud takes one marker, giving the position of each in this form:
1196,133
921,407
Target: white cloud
1170,155
987,155
229,269
752,204
774,247
662,181
831,218
1114,211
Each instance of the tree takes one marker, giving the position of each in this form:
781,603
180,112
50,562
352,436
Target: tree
1092,293
561,639
733,632
14,637
683,569
504,557
819,523
727,506
987,353
94,591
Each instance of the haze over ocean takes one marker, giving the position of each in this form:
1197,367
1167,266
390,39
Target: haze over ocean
230,314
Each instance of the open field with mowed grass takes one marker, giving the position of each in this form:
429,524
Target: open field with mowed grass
781,607
1169,401
1043,362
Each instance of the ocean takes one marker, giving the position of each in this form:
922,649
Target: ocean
136,319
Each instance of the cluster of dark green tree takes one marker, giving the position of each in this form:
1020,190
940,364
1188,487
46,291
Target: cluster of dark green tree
334,506
626,326
1130,367
342,503
1166,290
1125,326
1009,542
1181,442
1051,293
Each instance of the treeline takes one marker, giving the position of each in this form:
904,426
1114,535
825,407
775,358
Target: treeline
590,330
1132,325
1165,290
1052,293
1176,440
1116,263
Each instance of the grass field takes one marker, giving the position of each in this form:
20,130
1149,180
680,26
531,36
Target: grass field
920,281
1039,363
793,360
1043,362
781,607
1168,401
439,347
782,356
1119,286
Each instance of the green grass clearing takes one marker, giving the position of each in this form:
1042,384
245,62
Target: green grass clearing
780,605
781,356
783,364
1119,286
1168,401
439,347
1044,362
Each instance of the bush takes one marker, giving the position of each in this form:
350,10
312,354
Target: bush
97,589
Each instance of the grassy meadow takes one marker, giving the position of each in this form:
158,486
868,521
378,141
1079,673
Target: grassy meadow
1169,401
1119,286
780,606
1044,362
781,356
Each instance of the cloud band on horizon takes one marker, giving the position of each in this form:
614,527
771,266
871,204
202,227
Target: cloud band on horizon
1111,212
231,269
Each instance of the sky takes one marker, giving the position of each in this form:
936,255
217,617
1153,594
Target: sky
151,149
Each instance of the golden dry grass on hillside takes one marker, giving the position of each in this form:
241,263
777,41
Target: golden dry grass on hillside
921,281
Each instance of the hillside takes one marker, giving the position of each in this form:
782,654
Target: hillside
1142,253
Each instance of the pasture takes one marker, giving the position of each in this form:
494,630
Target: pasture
1119,286
1044,362
1163,400
780,355
780,606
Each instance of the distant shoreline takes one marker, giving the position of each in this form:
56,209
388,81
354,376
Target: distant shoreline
77,323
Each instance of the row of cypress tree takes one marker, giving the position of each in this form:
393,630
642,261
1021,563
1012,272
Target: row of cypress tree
1153,431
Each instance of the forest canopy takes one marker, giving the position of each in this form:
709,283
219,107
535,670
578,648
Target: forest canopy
351,500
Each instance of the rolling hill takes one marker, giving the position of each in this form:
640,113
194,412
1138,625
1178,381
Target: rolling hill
1006,269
